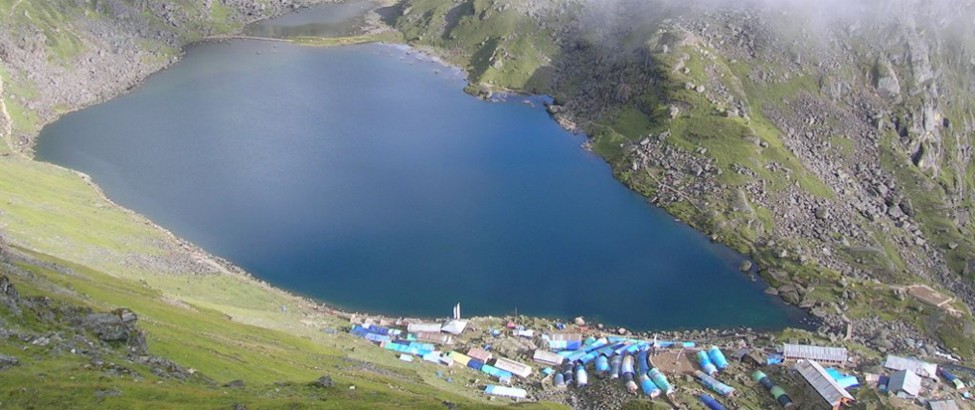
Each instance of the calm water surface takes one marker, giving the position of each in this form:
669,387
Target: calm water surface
365,177
329,20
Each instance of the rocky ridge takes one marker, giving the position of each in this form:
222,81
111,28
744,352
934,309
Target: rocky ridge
831,143
93,59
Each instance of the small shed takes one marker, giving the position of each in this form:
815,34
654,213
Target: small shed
823,354
905,381
516,368
480,354
526,333
820,381
548,358
943,405
923,369
459,358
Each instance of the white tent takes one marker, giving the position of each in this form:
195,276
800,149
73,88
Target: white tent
455,327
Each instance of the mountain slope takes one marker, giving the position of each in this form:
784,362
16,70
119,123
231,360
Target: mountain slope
830,142
197,332
165,352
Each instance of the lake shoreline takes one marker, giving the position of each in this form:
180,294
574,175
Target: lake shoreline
221,265
698,314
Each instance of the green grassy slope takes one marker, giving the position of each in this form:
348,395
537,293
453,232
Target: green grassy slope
72,245
225,326
277,367
499,47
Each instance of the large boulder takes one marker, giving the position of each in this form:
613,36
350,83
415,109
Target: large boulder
8,361
888,85
8,296
108,327
323,382
790,293
235,384
7,288
118,327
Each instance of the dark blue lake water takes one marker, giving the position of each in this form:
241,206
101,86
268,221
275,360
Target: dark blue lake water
365,177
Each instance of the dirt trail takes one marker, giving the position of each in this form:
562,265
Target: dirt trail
13,8
6,121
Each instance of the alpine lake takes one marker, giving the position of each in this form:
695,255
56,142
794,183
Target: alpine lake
365,177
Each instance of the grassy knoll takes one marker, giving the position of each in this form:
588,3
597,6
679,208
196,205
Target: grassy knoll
499,46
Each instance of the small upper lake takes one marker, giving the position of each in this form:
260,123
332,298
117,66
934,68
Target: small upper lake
327,20
365,177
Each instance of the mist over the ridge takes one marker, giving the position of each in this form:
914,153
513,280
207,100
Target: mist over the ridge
798,27
956,16
821,9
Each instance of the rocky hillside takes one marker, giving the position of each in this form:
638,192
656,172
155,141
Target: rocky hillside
62,55
831,142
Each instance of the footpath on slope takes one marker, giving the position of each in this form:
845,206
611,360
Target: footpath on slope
6,123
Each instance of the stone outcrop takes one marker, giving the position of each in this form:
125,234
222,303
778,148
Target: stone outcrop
66,329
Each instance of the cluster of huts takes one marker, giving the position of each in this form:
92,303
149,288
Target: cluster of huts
568,359
429,341
831,385
614,357
499,368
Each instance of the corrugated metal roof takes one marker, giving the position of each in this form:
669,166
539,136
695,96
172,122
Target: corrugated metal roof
517,369
461,358
816,376
544,356
906,381
944,405
820,353
423,327
923,369
480,354
437,337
